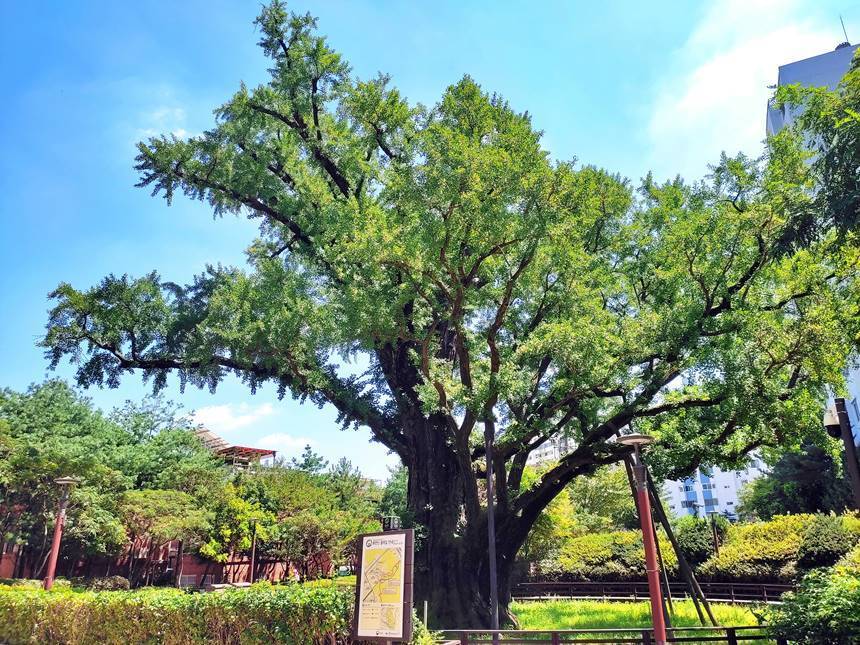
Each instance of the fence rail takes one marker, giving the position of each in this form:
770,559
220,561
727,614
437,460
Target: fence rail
727,591
730,635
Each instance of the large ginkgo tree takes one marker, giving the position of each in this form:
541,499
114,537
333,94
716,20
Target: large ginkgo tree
486,287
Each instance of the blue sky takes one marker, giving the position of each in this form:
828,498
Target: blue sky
629,86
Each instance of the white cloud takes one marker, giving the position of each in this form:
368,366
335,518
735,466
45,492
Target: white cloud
285,444
229,417
162,120
715,97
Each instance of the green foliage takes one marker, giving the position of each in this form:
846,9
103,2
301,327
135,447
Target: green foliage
616,556
759,551
262,614
825,610
310,462
603,501
695,537
110,583
483,284
807,481
394,496
288,614
825,541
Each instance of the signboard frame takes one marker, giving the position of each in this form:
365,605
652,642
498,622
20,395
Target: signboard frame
408,557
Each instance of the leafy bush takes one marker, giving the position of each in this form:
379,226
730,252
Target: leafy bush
825,541
615,556
110,583
695,537
290,614
772,551
825,610
261,614
759,551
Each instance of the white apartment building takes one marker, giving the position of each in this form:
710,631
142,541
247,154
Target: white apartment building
707,490
823,70
711,490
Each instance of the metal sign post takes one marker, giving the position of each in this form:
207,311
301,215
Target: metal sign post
383,587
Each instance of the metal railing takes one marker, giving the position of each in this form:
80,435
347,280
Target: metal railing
727,591
730,635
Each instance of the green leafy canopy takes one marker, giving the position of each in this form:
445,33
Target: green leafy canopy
482,281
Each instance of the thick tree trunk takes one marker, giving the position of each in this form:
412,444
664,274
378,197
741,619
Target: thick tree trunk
451,565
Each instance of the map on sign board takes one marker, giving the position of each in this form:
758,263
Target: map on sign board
381,594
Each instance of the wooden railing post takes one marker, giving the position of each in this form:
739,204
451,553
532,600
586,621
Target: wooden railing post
464,638
781,641
731,636
555,639
646,637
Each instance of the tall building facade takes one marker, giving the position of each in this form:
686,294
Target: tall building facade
824,70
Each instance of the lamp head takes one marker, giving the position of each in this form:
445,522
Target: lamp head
831,421
636,440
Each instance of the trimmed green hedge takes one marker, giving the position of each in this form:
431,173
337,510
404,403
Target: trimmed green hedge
615,556
773,551
769,551
290,614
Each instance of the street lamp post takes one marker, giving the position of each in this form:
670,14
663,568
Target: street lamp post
714,534
651,568
66,484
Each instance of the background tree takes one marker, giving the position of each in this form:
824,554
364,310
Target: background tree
394,499
487,287
154,517
603,501
806,481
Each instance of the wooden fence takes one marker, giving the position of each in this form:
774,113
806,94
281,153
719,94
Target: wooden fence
727,591
730,635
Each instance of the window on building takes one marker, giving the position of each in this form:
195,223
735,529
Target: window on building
689,487
730,503
687,503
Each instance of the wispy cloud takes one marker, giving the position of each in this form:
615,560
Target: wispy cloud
285,444
231,416
714,98
163,119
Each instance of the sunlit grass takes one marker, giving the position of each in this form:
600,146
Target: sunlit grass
595,614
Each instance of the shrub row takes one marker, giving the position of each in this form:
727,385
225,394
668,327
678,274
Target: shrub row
781,549
290,614
615,556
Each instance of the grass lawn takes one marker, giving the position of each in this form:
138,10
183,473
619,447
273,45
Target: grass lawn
596,614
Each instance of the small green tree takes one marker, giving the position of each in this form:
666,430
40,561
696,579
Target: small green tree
696,539
806,481
153,517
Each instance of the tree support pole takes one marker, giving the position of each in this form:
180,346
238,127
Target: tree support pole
683,565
